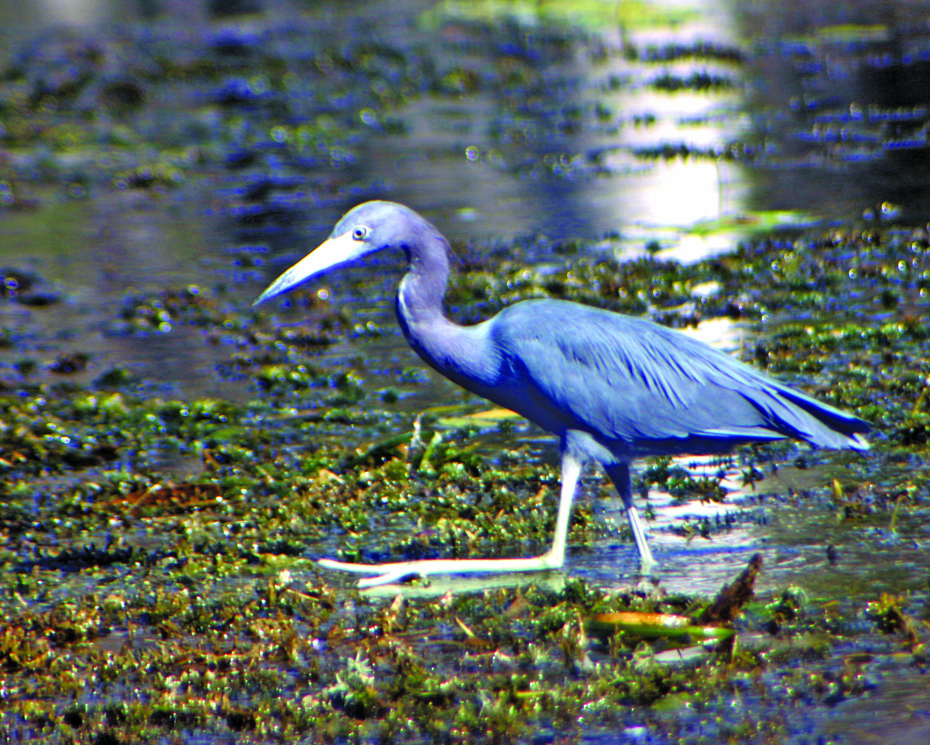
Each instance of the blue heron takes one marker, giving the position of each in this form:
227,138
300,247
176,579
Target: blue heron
611,387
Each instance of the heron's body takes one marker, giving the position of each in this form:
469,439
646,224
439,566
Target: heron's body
636,388
611,387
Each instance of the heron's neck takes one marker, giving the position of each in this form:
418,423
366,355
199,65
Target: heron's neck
461,353
421,292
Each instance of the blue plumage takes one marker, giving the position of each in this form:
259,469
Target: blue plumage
643,389
611,387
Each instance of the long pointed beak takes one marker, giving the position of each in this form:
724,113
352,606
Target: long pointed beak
331,253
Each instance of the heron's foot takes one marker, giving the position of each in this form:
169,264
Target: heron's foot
386,574
648,567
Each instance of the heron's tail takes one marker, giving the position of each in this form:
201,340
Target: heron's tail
820,424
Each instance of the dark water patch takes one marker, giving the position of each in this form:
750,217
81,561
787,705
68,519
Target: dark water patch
701,50
698,81
857,108
86,557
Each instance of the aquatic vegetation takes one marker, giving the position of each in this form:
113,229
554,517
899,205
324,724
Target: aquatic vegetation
594,15
202,586
156,549
523,661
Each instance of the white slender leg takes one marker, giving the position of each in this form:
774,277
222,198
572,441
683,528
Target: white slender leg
571,472
554,558
620,475
639,535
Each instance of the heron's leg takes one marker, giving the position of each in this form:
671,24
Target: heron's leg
620,475
554,558
571,472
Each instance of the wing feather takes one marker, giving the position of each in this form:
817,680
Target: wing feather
649,388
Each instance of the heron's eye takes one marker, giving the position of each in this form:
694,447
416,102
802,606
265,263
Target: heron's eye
359,233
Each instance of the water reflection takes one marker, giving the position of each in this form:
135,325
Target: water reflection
462,162
71,12
840,96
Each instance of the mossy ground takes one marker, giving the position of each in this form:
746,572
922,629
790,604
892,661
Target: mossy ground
156,553
141,608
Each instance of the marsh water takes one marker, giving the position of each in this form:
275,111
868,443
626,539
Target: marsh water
680,155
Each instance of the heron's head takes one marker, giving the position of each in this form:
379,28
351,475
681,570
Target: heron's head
363,230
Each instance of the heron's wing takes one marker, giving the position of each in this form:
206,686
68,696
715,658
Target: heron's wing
631,381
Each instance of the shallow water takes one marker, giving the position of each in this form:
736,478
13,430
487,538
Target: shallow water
484,169
454,164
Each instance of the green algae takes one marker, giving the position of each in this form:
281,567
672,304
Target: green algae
139,605
218,666
145,604
224,612
592,14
